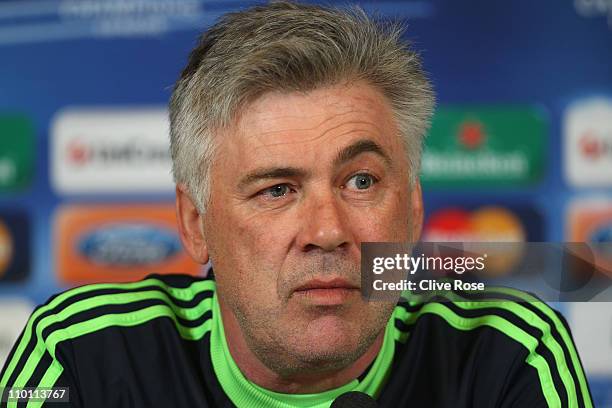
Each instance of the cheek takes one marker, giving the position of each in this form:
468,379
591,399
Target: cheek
387,222
249,251
266,238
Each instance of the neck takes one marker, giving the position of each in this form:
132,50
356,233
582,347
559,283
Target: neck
305,383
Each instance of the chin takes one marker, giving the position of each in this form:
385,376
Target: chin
333,338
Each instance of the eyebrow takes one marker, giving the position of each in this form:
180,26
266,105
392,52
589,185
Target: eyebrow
359,147
346,154
271,173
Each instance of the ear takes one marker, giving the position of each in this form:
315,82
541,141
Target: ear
190,225
416,209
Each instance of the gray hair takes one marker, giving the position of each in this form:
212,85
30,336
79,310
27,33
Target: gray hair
289,47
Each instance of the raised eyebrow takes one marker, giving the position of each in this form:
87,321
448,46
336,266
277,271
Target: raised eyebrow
270,173
361,146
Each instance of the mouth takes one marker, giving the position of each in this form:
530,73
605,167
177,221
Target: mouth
330,292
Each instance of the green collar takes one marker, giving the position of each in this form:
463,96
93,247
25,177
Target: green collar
244,393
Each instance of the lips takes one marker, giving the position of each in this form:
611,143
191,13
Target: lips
330,292
336,283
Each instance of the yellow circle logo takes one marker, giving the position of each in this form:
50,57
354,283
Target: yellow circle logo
498,225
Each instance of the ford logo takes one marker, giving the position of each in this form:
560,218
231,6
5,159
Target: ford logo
129,245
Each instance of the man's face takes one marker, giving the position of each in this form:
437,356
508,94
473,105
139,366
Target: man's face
297,184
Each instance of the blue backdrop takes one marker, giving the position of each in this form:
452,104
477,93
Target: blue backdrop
549,55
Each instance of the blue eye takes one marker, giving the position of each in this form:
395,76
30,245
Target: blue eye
277,191
361,181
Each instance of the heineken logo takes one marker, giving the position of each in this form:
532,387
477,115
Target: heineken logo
484,145
8,171
16,153
471,135
483,165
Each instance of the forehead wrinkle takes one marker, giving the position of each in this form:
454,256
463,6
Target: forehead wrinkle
301,129
355,104
325,133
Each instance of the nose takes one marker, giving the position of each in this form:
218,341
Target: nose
324,224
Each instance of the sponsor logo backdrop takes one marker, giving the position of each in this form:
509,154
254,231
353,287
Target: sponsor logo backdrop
520,148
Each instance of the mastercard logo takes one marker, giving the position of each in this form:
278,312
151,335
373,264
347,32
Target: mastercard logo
489,224
6,248
486,224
